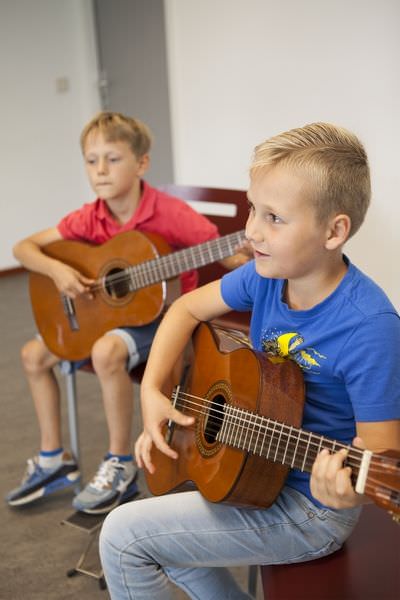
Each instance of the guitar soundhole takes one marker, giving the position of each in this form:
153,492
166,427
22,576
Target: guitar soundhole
214,418
117,284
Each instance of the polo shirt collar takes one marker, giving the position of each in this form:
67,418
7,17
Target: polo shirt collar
144,211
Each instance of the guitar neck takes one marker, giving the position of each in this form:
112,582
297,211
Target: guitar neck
281,443
171,265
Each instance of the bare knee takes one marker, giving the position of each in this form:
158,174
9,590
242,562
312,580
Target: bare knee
36,358
109,355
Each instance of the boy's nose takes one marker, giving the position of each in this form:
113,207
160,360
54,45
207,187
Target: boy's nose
102,165
252,232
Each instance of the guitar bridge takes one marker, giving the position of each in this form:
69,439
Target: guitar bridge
69,310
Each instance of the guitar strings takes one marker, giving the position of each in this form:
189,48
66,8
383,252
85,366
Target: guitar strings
283,429
152,266
245,419
371,485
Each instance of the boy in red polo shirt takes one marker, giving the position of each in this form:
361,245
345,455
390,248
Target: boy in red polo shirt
116,153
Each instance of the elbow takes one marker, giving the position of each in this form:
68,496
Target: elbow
15,250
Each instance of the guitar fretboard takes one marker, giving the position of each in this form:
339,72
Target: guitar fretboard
276,441
171,265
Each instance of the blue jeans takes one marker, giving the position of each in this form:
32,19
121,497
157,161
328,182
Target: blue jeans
183,538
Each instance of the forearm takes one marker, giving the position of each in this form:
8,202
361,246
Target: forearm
176,330
68,280
170,341
30,255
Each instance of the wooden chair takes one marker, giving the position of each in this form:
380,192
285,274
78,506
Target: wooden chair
366,568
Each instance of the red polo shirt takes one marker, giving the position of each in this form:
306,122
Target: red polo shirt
157,212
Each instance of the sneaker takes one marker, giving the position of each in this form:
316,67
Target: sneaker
39,482
107,488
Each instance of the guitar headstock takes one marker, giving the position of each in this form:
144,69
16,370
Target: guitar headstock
383,481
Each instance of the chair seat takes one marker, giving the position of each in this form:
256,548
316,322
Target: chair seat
366,568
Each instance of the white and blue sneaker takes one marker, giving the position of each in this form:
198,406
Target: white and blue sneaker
113,480
39,482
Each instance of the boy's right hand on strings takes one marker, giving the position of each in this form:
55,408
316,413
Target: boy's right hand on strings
69,281
157,411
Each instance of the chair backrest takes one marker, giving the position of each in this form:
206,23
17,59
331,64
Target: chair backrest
225,207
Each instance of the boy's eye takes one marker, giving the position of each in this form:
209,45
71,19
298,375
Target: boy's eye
114,159
250,207
90,161
273,218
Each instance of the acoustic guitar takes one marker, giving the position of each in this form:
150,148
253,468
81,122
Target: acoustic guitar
135,276
246,437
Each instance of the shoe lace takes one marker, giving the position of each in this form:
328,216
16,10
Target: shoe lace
106,473
32,465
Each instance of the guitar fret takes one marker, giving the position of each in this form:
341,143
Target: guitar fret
278,442
246,443
270,440
264,436
139,276
201,259
132,286
225,426
295,452
231,249
171,265
238,429
156,274
305,453
259,419
143,271
143,279
253,419
287,444
230,432
186,262
168,271
236,426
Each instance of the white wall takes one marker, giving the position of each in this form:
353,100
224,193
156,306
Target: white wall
243,70
239,71
42,175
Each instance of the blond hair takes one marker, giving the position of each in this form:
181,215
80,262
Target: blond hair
117,127
335,161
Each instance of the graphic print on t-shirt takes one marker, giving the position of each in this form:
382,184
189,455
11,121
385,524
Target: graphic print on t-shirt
286,345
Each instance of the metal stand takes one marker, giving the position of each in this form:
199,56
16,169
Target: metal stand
91,525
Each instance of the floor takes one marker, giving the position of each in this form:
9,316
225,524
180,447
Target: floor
36,550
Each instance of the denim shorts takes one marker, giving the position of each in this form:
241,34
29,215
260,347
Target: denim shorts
138,341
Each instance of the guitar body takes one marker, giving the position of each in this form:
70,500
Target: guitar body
226,372
106,310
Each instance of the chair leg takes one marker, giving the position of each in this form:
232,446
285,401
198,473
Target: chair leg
252,580
70,380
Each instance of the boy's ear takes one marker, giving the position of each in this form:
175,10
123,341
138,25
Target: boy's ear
338,231
144,162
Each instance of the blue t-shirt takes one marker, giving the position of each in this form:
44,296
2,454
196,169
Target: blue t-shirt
348,348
